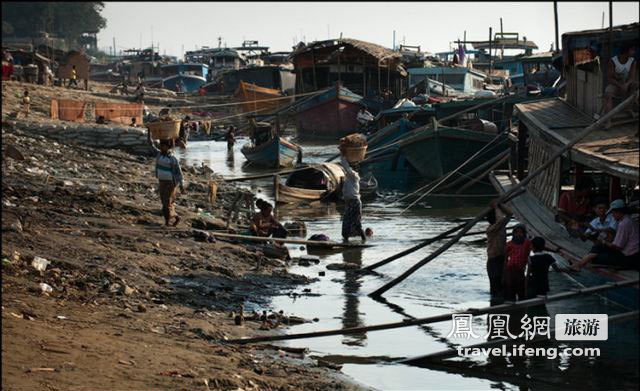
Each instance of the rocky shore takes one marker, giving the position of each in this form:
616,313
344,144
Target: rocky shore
123,302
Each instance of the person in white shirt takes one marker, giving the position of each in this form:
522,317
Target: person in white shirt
622,78
352,218
603,227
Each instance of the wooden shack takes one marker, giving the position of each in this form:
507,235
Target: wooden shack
585,55
364,68
82,63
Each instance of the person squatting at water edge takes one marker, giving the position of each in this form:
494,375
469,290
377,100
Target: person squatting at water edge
624,250
169,176
265,224
352,218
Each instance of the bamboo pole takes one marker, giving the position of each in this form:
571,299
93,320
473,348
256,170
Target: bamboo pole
499,342
266,175
293,241
479,177
414,248
447,176
507,194
475,171
443,317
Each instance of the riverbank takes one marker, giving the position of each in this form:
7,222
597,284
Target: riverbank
125,310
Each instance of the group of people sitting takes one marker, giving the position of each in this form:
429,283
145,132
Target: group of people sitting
609,226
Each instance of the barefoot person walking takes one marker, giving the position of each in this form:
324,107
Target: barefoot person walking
351,221
169,176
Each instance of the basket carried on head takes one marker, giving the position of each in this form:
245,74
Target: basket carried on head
164,130
354,147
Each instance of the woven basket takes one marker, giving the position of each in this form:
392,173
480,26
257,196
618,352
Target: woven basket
164,130
355,154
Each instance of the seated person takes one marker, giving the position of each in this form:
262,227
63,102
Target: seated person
622,76
265,224
573,205
624,249
603,227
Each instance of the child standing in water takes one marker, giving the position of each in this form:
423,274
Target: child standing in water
517,253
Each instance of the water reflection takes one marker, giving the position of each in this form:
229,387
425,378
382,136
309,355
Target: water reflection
231,162
351,287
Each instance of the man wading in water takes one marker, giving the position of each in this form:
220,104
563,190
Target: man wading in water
351,221
169,177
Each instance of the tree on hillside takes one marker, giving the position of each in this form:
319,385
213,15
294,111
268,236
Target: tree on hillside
67,20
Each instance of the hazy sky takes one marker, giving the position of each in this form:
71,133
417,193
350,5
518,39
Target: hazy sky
280,24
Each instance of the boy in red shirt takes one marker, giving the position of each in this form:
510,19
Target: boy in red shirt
517,253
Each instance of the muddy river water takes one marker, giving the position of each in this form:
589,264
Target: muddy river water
455,280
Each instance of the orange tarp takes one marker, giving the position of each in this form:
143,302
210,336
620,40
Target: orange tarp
120,112
71,110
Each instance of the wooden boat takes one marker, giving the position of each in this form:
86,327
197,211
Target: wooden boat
329,115
192,76
316,183
274,152
259,99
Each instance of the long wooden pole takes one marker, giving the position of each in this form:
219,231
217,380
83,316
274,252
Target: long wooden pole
293,241
506,195
414,248
484,173
555,17
440,318
490,58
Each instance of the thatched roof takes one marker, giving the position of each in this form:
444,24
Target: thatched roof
377,51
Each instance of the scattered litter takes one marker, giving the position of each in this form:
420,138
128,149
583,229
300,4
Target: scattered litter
40,264
60,317
45,288
41,370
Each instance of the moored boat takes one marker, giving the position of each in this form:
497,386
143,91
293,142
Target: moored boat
259,99
267,149
329,115
315,183
191,76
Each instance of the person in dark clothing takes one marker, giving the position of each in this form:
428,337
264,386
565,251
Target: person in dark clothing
183,136
538,269
230,137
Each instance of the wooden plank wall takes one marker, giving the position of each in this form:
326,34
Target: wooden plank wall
546,186
584,90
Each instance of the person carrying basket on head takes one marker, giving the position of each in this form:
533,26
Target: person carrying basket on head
352,218
169,176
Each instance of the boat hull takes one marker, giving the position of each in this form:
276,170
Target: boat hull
276,153
191,82
298,189
259,99
329,116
